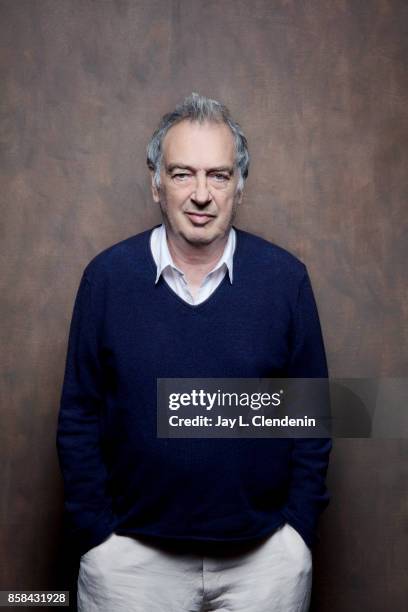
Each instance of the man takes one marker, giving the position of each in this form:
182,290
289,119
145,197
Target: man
189,524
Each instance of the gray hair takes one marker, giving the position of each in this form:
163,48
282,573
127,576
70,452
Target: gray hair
198,108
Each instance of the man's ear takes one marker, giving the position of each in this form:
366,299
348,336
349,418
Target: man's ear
240,195
155,192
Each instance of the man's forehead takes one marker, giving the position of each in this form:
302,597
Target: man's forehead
193,143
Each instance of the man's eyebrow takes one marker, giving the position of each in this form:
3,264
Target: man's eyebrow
175,166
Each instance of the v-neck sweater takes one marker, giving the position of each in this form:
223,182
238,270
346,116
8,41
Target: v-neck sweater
126,332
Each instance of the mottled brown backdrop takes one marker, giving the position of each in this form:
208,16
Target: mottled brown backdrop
320,88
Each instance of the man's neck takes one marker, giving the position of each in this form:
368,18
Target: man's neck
195,261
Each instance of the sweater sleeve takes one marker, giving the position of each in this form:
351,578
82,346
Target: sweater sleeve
308,495
87,503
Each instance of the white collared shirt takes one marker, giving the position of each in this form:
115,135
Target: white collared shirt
176,279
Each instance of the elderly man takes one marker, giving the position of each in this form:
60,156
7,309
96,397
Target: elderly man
189,524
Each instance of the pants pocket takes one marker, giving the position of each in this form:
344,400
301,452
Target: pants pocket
92,550
296,548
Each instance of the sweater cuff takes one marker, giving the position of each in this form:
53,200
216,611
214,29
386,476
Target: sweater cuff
84,539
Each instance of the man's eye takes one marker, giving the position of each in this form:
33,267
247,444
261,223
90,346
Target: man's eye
220,177
181,176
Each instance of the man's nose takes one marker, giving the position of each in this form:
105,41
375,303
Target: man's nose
201,195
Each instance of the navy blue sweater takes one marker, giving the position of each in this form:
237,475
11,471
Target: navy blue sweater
126,332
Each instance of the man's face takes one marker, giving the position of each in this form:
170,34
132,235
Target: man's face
198,194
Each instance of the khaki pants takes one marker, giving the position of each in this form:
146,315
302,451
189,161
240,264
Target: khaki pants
124,574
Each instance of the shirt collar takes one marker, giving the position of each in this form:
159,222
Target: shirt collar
163,258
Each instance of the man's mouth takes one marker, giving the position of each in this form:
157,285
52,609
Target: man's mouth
198,218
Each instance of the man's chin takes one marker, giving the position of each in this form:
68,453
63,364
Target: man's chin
199,240
201,237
